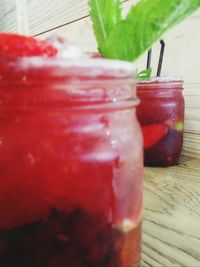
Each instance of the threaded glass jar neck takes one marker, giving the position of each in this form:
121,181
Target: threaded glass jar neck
43,81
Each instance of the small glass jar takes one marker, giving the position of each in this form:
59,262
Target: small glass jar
71,164
161,115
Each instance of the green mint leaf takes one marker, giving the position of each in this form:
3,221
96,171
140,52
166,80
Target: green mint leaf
105,15
145,74
179,127
145,23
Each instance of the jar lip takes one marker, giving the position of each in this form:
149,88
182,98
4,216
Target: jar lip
163,79
73,81
92,68
164,84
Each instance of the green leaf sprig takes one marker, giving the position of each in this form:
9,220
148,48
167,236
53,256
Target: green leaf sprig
128,38
145,74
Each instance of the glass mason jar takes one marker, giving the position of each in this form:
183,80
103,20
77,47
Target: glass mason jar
71,164
161,115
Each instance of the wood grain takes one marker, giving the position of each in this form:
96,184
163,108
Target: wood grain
192,112
43,15
171,228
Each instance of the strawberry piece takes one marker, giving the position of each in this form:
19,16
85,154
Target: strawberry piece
153,133
15,46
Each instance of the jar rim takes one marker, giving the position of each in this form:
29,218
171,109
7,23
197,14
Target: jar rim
92,68
72,81
163,82
163,79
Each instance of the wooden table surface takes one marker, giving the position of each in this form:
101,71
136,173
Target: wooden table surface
171,224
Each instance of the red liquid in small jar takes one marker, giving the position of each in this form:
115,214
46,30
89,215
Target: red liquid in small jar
162,104
70,169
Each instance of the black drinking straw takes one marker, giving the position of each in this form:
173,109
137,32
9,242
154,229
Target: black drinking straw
149,59
162,50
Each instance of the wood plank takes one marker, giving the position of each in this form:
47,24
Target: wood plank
43,15
192,103
171,229
192,114
191,148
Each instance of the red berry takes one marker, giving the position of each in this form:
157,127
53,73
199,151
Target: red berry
15,46
153,133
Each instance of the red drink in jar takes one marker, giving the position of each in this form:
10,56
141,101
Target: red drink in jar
161,115
71,164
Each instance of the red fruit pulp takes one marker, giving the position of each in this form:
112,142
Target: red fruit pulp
153,133
16,46
162,104
70,170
